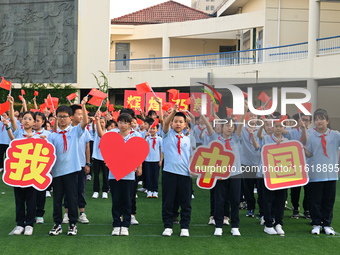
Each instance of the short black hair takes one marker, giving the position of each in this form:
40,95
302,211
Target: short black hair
310,116
296,117
43,118
125,117
180,114
151,112
64,108
322,114
29,112
75,107
50,115
149,121
128,111
109,123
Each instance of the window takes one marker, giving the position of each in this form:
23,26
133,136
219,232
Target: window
212,0
207,8
207,0
212,8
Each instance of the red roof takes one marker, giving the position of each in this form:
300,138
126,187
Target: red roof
166,12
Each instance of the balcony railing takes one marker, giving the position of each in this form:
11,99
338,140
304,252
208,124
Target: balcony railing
330,45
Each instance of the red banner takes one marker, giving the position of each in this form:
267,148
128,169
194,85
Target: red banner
151,103
197,100
181,101
134,99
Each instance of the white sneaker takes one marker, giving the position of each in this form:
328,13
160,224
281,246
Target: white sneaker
136,196
66,219
192,196
133,220
39,220
48,194
28,231
184,232
270,231
329,230
279,230
88,177
211,220
155,194
149,194
18,230
316,229
141,189
95,195
235,232
167,232
262,221
140,183
226,221
124,231
105,195
218,232
83,219
255,190
116,231
1,169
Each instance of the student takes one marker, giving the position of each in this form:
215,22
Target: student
197,131
98,162
122,190
176,181
4,139
110,124
323,147
89,128
66,168
84,157
230,137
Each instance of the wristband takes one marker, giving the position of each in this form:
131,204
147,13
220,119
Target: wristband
8,128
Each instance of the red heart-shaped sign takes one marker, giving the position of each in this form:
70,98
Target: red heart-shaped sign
122,158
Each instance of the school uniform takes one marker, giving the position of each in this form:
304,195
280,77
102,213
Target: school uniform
176,181
65,171
89,128
122,192
197,131
151,163
325,156
4,143
231,186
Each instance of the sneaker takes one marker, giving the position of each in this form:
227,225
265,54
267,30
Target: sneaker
295,214
270,230
241,205
66,219
211,220
28,231
250,213
226,221
95,195
136,196
116,231
306,214
124,231
316,229
88,177
141,189
105,195
255,190
72,230
39,220
262,221
175,221
140,183
18,230
133,220
235,232
167,232
192,196
155,194
48,194
279,230
149,194
1,169
184,232
329,231
56,230
83,219
218,232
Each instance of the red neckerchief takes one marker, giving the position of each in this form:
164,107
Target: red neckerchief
227,143
323,141
63,132
179,144
154,142
88,127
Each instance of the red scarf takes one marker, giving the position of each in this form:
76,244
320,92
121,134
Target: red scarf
154,142
65,139
179,144
227,144
323,142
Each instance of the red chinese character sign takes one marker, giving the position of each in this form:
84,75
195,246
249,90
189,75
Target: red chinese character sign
133,100
284,165
151,103
197,101
210,163
181,101
29,163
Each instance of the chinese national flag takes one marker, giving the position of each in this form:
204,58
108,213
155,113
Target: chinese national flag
36,93
42,107
111,108
107,103
5,84
23,92
174,93
71,96
52,102
115,115
4,107
34,110
143,88
187,101
229,111
217,107
95,101
308,106
139,122
166,106
98,94
155,123
21,97
263,97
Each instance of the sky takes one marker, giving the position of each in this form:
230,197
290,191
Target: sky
122,7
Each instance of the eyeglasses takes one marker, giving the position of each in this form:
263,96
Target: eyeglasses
62,117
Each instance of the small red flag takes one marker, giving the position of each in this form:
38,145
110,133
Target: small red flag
4,107
155,123
166,106
107,103
5,84
36,93
21,97
143,88
245,94
139,122
71,96
187,101
43,106
115,115
95,101
111,108
263,97
52,102
97,93
34,110
175,94
52,122
229,111
23,92
217,107
218,95
308,106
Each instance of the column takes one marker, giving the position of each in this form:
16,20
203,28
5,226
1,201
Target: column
165,47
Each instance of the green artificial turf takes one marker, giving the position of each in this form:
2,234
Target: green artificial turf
95,237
